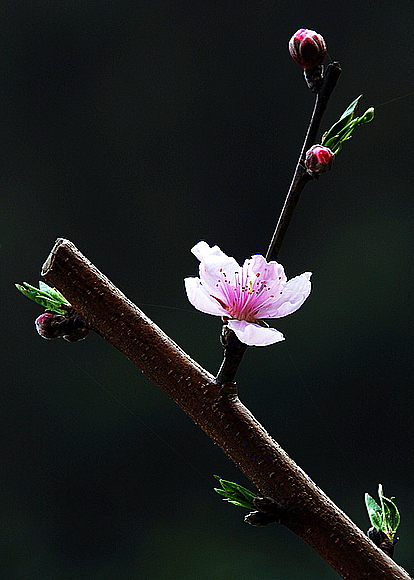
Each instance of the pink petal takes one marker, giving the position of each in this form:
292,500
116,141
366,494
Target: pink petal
213,262
253,334
201,299
214,272
291,297
269,271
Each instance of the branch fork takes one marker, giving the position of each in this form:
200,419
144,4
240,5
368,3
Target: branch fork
213,403
312,515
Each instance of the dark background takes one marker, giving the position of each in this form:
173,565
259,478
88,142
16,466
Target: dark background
136,129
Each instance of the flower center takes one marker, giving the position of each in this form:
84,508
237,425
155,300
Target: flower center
245,295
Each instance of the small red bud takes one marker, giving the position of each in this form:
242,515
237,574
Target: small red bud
307,48
50,325
319,159
47,325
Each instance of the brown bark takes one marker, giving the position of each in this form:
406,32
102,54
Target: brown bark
309,512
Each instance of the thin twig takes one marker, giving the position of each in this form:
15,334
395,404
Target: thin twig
309,512
233,348
301,177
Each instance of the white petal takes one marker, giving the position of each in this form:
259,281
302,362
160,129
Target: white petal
200,299
215,265
291,297
253,334
202,250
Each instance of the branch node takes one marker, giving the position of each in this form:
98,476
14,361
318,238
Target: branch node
268,511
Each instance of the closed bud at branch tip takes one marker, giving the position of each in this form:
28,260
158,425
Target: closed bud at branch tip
367,116
319,159
307,48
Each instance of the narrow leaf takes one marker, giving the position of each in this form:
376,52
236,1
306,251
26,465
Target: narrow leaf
48,297
351,108
374,511
235,493
392,515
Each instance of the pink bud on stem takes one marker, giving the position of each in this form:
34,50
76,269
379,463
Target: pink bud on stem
319,159
308,49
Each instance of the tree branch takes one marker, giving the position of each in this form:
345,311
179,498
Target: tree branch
301,177
233,348
310,513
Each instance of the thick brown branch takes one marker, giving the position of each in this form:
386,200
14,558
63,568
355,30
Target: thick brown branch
230,425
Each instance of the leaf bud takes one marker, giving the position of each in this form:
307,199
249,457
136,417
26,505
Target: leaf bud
367,116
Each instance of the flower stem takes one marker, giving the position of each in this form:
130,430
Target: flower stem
233,353
301,176
233,348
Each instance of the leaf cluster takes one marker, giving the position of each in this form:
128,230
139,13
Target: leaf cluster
342,130
384,516
46,296
235,493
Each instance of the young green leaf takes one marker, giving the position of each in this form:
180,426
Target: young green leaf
391,515
342,130
48,297
384,517
235,493
374,511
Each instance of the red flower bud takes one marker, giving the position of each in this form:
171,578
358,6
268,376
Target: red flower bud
50,325
319,159
47,325
307,48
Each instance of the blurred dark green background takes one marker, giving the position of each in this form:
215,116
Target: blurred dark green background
136,129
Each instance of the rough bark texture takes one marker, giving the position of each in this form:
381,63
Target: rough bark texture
309,512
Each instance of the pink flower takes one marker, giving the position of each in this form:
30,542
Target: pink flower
319,159
244,295
307,48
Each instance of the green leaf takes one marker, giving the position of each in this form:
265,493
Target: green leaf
374,511
391,515
342,130
221,491
46,296
351,108
385,516
235,493
341,124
